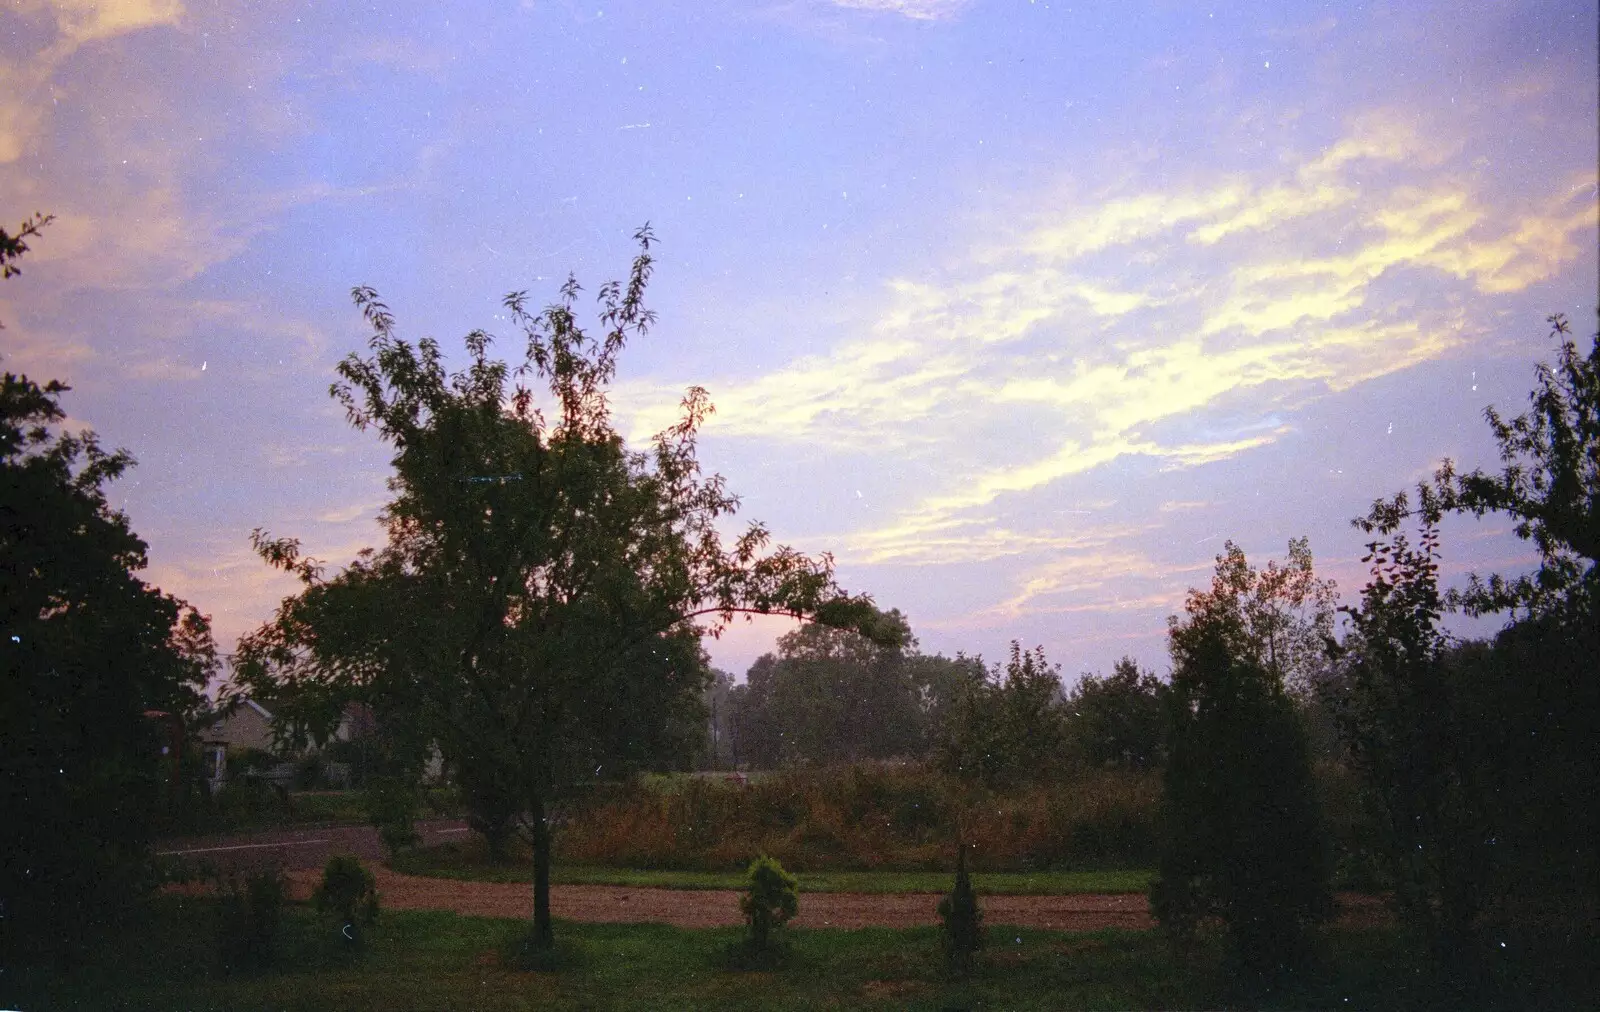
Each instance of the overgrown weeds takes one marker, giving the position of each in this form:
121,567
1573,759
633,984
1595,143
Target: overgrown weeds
873,817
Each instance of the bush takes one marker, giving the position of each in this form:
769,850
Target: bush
961,921
868,816
310,772
249,911
350,894
770,899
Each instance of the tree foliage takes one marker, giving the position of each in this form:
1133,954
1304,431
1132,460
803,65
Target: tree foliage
1243,838
832,696
1549,486
771,898
538,605
1120,720
961,920
86,649
1002,730
1479,759
1402,706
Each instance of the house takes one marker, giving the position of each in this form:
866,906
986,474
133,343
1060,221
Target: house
248,725
245,725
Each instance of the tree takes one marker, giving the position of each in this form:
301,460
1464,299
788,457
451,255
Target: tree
538,605
13,246
961,920
714,751
1005,730
1120,720
1491,746
89,652
770,900
1243,838
1550,486
832,695
1402,719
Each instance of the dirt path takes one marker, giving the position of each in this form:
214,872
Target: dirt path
705,908
302,851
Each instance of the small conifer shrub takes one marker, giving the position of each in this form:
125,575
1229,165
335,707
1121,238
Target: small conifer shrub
961,920
771,898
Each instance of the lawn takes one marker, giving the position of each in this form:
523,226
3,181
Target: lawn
431,960
466,861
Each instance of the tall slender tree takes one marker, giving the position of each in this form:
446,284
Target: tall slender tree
1243,837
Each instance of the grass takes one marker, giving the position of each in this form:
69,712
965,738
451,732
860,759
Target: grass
436,960
465,861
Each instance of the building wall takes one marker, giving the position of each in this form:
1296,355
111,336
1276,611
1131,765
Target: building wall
246,727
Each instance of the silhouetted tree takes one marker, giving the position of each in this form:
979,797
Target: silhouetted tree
536,607
1402,717
1484,755
1119,721
86,649
1243,838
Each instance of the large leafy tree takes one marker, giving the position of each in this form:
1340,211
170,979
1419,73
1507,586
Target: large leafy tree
1243,838
1549,486
87,651
538,605
1480,759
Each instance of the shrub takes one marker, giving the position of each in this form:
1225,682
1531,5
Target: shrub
310,772
249,911
771,897
391,804
350,894
961,920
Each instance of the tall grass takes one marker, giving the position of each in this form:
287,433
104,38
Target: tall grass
867,817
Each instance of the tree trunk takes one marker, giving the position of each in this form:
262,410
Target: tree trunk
543,935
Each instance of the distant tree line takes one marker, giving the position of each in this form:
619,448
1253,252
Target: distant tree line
830,696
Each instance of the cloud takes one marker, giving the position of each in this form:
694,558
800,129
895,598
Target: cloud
1106,325
917,10
23,83
346,514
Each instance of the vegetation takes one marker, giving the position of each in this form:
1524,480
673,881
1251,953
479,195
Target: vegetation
554,579
249,911
1119,721
555,585
1004,731
1478,760
97,676
438,960
868,817
961,921
468,861
771,897
1243,838
350,895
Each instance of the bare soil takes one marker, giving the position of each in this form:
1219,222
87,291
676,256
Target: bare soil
303,852
702,908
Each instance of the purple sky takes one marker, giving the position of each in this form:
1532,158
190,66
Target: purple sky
1019,309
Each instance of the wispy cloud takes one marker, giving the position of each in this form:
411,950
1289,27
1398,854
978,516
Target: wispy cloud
1111,324
76,23
918,10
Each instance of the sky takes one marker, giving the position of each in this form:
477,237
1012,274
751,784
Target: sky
1021,310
